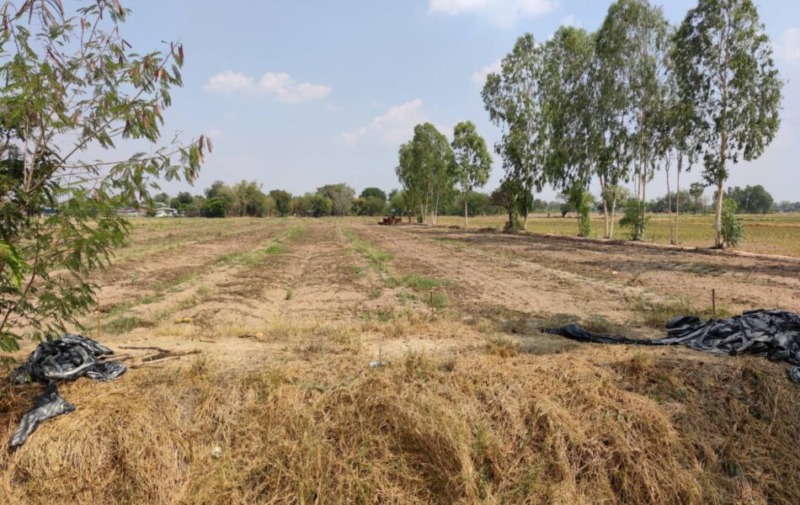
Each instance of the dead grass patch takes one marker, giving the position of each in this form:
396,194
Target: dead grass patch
421,431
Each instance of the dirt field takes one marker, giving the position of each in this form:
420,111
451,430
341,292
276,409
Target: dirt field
476,405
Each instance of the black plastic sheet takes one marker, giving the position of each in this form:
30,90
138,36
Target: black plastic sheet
773,334
66,358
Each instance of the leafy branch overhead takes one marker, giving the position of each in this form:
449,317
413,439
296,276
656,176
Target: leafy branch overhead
74,86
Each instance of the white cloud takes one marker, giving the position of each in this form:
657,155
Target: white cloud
228,82
285,89
572,21
393,127
789,46
480,76
280,86
501,12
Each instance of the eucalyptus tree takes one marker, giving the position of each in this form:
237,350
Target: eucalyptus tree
72,82
571,132
425,169
473,163
631,53
723,59
514,102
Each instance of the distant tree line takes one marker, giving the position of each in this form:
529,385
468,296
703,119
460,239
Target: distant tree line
615,106
247,199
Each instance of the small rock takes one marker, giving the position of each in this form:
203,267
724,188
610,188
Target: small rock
378,364
216,452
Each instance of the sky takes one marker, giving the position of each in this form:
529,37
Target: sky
298,94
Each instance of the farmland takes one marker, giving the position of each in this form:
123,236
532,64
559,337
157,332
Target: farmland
474,403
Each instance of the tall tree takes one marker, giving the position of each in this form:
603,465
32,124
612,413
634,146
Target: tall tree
374,192
426,169
631,52
341,197
723,58
473,163
513,100
567,109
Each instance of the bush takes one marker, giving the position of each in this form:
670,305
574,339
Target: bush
635,218
732,229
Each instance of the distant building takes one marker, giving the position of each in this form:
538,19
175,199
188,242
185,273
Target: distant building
166,212
132,212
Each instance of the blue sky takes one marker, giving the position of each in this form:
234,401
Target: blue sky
298,94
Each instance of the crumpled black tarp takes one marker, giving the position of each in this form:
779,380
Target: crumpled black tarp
66,358
773,334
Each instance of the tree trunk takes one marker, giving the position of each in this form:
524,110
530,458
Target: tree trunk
669,203
720,243
605,203
613,216
465,212
678,195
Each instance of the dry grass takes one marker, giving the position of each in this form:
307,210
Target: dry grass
766,234
420,431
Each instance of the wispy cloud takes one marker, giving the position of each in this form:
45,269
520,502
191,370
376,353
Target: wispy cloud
503,13
228,82
479,77
393,127
280,86
789,45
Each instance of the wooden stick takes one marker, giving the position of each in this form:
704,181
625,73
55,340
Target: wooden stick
144,348
714,303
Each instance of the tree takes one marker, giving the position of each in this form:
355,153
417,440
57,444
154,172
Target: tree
182,201
248,200
696,190
215,207
507,196
723,59
751,199
513,99
369,206
341,197
473,163
425,170
70,82
161,198
571,154
283,200
632,51
373,192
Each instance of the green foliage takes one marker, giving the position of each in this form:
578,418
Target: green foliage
732,229
341,197
751,199
369,206
635,218
514,102
582,201
425,170
630,77
373,193
507,196
567,108
283,201
215,207
725,70
473,163
70,82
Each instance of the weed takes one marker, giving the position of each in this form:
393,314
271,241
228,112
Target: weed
289,294
125,325
276,249
503,347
